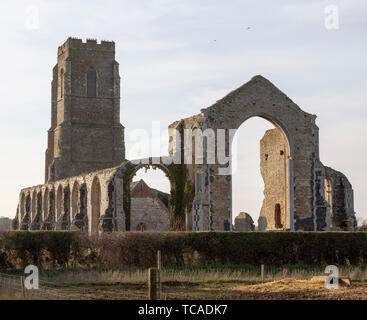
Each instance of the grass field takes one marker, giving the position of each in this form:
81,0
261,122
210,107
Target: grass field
213,282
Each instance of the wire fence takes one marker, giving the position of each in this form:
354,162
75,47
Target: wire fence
172,281
11,287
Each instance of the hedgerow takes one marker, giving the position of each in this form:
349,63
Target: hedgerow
60,249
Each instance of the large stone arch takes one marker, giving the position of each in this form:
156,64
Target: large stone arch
49,208
34,221
78,206
287,201
172,171
259,98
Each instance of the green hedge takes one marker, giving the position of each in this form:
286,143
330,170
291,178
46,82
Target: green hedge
57,249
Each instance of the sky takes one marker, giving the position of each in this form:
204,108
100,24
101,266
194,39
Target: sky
177,57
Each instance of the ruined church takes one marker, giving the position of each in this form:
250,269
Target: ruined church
88,181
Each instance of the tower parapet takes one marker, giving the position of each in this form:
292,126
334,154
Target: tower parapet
89,44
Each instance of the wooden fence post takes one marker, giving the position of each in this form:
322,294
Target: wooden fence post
152,284
22,286
159,266
262,273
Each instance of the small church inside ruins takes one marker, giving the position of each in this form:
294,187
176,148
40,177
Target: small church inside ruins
89,183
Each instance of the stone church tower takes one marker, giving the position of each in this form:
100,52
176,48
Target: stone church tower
86,133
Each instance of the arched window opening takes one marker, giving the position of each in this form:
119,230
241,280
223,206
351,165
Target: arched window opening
39,207
34,205
278,216
61,83
45,204
66,208
91,83
75,203
82,215
22,206
51,207
141,227
59,202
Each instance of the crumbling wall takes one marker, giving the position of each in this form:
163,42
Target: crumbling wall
258,97
340,196
68,204
148,212
273,166
244,222
5,224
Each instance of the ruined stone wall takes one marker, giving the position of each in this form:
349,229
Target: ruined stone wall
5,224
149,212
91,202
273,166
258,97
177,148
295,196
244,222
340,196
85,134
